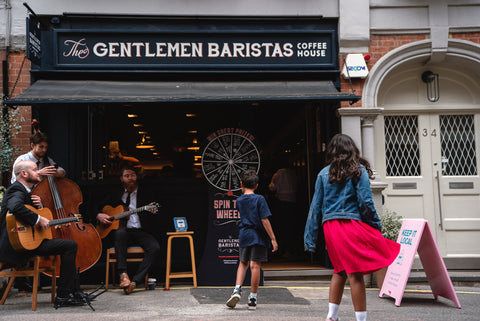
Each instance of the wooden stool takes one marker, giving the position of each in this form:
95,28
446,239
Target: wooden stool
40,264
138,254
171,275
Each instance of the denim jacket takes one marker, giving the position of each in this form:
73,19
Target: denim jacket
349,200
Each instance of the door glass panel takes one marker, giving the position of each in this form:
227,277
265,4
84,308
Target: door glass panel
458,145
401,146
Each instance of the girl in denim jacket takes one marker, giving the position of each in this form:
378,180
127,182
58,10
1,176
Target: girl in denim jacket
343,205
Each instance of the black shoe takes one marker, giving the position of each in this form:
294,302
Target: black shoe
22,284
68,301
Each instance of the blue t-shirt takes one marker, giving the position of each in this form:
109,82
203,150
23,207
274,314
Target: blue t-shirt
253,208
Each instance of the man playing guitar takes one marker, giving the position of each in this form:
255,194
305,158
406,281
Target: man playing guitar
132,232
16,197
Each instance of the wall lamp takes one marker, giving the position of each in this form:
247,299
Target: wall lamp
433,88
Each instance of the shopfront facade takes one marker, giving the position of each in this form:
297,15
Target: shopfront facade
157,90
274,74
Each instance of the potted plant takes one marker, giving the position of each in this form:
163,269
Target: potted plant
391,224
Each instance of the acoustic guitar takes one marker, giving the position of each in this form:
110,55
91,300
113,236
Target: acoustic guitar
25,237
117,213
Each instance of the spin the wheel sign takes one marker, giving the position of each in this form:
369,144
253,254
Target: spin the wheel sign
228,153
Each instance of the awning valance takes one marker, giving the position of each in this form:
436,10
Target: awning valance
100,91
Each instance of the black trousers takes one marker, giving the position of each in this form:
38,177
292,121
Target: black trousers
135,237
67,249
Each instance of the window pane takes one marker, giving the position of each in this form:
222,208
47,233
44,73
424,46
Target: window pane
401,146
458,145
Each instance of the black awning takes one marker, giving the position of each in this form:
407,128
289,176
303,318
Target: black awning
93,91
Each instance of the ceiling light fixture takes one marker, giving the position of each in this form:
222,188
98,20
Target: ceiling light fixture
144,143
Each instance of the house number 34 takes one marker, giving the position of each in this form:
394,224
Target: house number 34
425,133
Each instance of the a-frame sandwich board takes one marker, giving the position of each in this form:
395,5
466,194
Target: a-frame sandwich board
416,236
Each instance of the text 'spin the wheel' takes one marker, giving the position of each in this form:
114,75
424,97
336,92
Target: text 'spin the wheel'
226,157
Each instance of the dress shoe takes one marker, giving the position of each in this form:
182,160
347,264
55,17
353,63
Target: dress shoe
22,285
124,280
68,301
129,289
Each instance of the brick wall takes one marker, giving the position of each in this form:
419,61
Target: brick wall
15,60
470,36
379,46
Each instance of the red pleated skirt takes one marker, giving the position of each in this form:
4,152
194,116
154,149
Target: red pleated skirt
354,246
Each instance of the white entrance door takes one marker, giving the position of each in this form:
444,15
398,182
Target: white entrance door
431,167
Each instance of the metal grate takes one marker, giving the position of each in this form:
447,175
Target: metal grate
401,146
458,145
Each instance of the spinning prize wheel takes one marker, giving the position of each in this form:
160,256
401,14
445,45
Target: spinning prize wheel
226,157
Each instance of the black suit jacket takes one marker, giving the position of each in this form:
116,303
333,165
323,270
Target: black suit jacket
14,201
144,197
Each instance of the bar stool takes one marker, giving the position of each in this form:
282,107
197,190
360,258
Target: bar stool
172,275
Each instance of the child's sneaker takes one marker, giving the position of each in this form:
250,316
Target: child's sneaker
252,303
234,298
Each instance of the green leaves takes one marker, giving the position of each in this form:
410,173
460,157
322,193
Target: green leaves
9,128
391,224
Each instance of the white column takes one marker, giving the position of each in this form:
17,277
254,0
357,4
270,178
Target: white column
351,124
357,122
368,138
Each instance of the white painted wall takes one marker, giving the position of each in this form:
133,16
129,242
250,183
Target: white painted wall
325,8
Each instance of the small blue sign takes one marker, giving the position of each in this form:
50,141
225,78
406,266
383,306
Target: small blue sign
180,224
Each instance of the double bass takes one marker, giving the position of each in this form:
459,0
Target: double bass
63,197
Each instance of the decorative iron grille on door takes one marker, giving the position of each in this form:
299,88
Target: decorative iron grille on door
401,146
458,145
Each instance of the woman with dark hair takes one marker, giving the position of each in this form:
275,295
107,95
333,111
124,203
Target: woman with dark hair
343,204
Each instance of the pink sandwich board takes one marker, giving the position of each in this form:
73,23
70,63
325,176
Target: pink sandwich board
416,236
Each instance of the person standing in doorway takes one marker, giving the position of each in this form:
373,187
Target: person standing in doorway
255,237
284,185
343,205
46,165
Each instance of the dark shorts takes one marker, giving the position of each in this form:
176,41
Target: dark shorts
257,253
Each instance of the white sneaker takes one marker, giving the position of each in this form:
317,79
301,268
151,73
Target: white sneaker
234,298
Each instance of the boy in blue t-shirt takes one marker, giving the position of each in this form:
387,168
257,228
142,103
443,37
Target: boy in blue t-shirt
253,241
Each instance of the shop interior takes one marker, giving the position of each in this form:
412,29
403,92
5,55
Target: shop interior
166,142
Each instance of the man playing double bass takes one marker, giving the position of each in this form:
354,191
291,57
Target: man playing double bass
16,197
39,145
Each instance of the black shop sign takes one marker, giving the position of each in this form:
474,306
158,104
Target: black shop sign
195,51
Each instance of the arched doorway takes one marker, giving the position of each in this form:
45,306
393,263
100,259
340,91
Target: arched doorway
428,152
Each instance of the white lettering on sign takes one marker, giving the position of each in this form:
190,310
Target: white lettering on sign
76,49
196,49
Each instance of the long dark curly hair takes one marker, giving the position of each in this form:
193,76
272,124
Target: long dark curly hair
344,159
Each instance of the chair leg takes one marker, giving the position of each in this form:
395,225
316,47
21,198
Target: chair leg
36,273
54,279
192,258
7,290
106,271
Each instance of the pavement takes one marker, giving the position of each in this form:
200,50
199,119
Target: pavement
278,300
